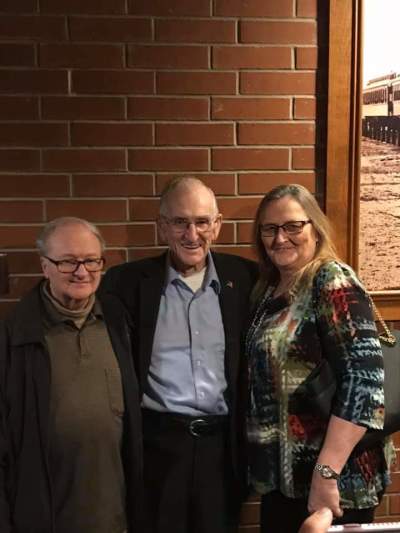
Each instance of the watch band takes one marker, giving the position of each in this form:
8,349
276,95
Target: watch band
326,471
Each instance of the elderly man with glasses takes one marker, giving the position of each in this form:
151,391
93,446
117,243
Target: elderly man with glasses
70,433
188,307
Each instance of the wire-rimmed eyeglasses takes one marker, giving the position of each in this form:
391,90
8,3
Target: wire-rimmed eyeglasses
181,224
292,227
69,266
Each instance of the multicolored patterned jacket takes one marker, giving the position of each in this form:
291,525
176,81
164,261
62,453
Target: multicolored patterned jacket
286,340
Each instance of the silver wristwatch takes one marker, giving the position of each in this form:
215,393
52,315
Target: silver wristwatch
326,471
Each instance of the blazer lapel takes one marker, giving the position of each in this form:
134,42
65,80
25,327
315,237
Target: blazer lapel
150,295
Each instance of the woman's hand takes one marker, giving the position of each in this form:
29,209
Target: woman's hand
318,522
324,493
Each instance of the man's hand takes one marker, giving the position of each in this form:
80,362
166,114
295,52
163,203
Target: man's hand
318,522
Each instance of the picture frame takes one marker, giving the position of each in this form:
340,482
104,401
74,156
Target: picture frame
342,190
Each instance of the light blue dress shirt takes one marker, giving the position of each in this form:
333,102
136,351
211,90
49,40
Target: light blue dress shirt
187,369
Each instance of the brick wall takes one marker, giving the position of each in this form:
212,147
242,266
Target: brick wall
102,101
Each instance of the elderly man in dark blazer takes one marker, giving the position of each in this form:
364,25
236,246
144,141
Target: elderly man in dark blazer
188,308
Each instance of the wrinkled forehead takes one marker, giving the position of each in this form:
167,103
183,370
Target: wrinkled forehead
72,239
191,202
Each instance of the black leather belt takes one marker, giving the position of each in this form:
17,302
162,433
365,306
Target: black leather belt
197,426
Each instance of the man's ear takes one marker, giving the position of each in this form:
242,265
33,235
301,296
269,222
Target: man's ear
216,227
162,228
45,265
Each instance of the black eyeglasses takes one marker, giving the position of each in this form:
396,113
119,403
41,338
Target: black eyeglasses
181,224
68,266
293,227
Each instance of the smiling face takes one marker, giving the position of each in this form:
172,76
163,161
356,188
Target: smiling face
289,253
72,241
189,248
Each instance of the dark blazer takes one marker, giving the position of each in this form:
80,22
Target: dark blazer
26,504
139,284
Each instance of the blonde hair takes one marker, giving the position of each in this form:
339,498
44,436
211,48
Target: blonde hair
325,250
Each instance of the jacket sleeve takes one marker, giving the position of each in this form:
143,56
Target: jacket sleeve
349,341
5,520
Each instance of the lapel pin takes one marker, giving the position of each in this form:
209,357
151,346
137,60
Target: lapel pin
229,284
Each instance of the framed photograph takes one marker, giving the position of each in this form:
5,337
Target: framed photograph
363,144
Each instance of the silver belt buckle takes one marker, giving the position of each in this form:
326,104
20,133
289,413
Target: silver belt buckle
196,425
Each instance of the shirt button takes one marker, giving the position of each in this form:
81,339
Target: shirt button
198,362
201,394
196,332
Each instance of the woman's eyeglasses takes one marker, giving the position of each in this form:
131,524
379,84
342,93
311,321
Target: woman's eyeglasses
293,227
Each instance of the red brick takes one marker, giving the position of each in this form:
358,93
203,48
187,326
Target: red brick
253,8
168,159
144,209
195,31
33,185
307,8
251,57
128,234
196,83
262,182
227,234
277,83
116,29
94,210
237,108
303,158
307,57
84,160
194,134
168,108
6,308
111,134
242,251
23,263
304,108
220,183
81,55
21,211
165,57
70,7
244,234
394,504
18,236
19,107
32,27
113,185
33,134
237,208
268,32
191,8
112,82
20,285
140,253
395,484
115,257
293,133
34,81
18,55
250,158
19,160
83,107
19,6
250,513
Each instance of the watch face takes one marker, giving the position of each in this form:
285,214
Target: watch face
326,472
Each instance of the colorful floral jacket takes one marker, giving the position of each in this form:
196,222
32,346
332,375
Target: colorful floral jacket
285,342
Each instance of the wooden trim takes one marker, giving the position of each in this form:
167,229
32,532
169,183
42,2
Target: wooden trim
343,138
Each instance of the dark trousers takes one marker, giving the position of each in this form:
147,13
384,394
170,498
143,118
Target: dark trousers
185,473
279,513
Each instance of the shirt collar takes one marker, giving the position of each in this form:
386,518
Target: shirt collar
210,278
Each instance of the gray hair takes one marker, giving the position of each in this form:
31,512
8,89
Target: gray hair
50,228
185,182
